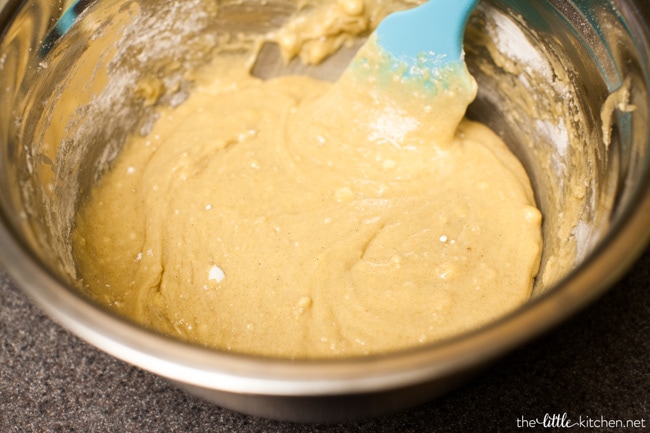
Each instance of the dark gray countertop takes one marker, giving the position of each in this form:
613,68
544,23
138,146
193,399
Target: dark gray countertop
595,366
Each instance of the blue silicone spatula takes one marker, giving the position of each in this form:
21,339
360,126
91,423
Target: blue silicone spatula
412,71
430,35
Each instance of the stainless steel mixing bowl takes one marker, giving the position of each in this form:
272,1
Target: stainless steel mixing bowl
564,82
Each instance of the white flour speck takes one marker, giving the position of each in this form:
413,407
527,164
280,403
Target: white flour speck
216,274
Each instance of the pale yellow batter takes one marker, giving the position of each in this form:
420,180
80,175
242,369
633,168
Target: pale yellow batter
296,218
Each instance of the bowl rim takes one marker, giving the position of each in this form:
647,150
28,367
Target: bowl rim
239,373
